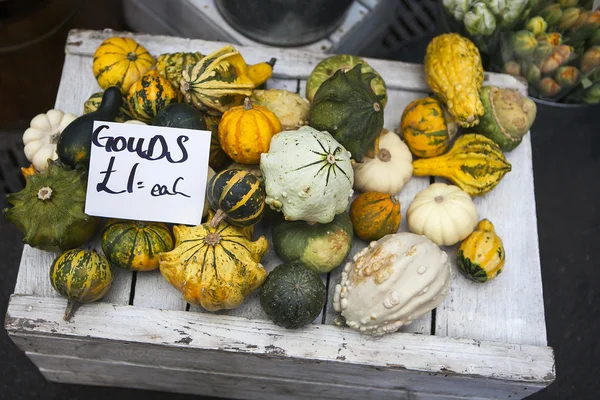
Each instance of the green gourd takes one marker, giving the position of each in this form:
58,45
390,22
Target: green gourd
180,115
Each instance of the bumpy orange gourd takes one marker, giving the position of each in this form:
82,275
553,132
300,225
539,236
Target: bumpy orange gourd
246,131
375,215
427,128
481,256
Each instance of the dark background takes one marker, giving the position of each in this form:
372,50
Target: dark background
566,150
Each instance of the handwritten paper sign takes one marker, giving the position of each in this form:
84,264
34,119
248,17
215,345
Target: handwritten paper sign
147,173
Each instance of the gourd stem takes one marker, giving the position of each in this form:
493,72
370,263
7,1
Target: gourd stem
218,217
72,306
272,62
247,104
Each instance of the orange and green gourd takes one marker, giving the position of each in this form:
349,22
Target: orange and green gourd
135,245
149,95
375,215
481,256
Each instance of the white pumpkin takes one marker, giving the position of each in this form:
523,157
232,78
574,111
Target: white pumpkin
443,213
42,135
392,282
210,174
389,171
308,175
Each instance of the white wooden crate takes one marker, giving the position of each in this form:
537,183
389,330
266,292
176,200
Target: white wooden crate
483,341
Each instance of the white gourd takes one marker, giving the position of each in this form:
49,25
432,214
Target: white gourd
42,135
389,171
210,174
392,282
135,122
308,175
443,213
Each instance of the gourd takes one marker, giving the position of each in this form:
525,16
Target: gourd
345,62
443,213
209,175
308,175
27,172
454,73
75,141
474,163
49,211
222,80
171,66
236,196
83,276
149,95
319,247
427,128
120,62
347,108
389,170
94,101
135,245
217,157
507,118
42,135
392,282
292,295
290,108
481,256
375,215
245,132
254,169
180,115
215,268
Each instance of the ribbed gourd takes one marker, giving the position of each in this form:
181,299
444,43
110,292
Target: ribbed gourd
347,108
481,256
454,72
171,65
135,245
237,196
375,215
475,164
149,95
215,268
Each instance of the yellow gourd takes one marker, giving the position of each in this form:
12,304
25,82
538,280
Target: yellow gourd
454,73
246,131
215,268
120,61
474,163
427,128
481,256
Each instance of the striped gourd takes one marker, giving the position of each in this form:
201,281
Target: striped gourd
83,276
215,268
135,244
474,163
94,101
120,61
481,256
237,196
149,95
217,157
171,65
375,215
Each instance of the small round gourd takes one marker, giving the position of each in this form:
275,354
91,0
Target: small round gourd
427,128
375,215
443,213
292,295
245,132
481,256
237,196
149,95
120,61
83,276
388,171
135,245
180,115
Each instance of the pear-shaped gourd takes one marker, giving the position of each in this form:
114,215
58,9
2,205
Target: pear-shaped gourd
481,256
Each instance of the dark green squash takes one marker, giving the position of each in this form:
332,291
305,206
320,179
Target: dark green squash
347,108
83,276
94,101
75,142
320,247
135,244
237,196
180,115
292,295
49,211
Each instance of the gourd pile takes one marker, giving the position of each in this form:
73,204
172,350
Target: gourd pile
295,164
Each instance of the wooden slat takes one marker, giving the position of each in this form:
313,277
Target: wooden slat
469,365
511,307
291,64
153,291
34,273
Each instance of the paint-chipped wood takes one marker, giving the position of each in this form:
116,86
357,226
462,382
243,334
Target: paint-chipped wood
321,350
